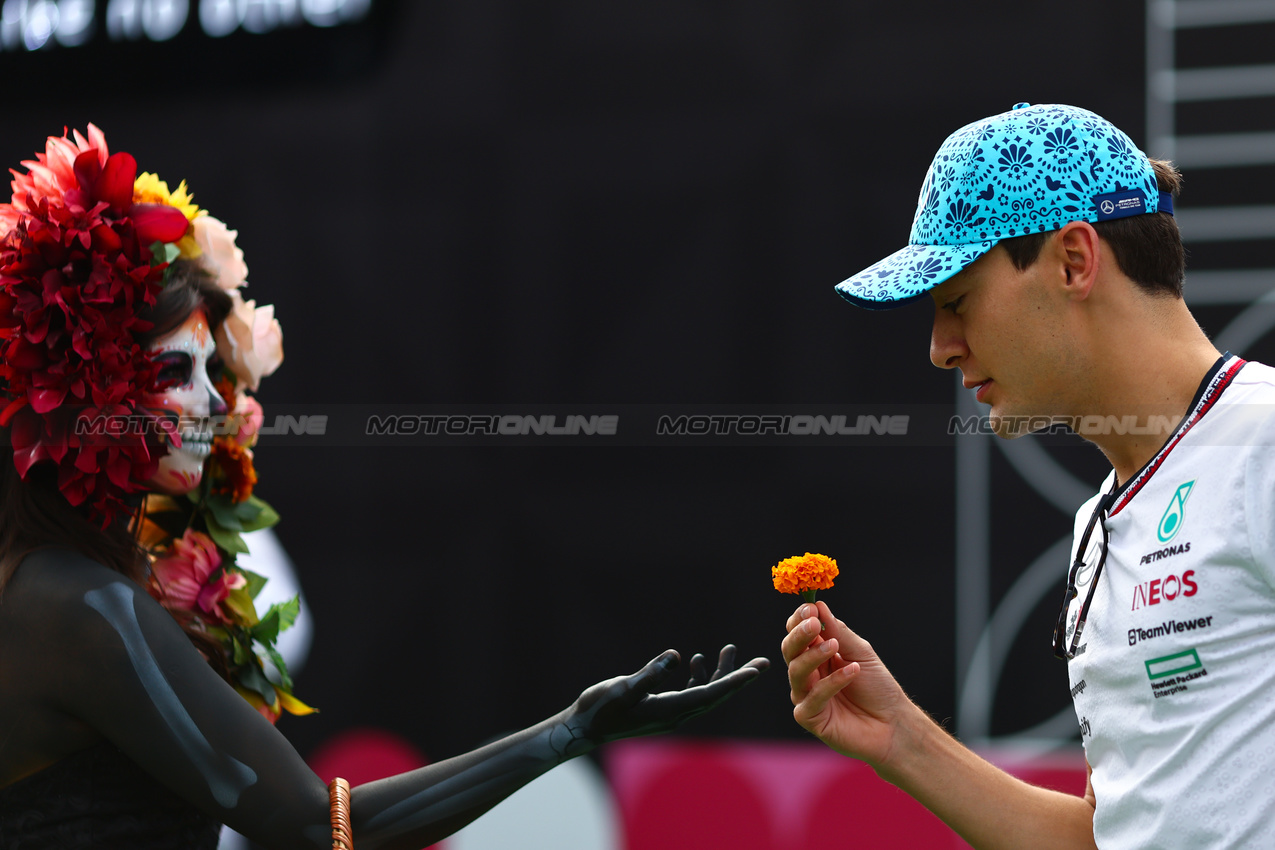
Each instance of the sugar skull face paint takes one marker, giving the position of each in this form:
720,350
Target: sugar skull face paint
188,402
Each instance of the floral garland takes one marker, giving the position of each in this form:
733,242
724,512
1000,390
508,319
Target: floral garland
84,246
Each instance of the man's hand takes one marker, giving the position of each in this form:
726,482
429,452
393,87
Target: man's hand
842,692
845,696
627,706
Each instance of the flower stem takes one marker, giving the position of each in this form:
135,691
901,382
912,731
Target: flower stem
809,596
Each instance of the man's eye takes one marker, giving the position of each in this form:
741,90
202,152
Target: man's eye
175,368
954,303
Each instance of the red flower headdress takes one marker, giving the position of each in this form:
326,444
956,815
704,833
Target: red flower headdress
83,249
77,263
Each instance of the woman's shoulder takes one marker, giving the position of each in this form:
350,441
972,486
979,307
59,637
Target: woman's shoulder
58,571
50,589
48,639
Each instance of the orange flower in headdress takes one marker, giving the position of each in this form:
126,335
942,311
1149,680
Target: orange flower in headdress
232,470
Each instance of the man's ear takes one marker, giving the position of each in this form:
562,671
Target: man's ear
1078,250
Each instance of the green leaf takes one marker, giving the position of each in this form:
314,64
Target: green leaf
279,617
255,582
285,681
225,538
164,252
240,601
240,653
247,511
251,677
223,510
264,518
267,630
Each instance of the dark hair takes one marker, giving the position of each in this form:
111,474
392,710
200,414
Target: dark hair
34,513
187,287
1148,248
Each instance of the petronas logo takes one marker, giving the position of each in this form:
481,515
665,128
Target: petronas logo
1171,522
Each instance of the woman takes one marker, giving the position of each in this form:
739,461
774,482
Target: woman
131,718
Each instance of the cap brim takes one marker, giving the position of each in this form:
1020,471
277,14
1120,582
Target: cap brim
908,274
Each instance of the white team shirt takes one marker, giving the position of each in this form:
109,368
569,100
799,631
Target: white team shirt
1174,678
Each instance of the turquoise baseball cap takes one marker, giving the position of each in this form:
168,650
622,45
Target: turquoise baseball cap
1030,170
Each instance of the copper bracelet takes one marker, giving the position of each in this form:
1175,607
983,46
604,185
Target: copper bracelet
339,798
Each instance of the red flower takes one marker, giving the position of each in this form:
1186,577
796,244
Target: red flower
75,269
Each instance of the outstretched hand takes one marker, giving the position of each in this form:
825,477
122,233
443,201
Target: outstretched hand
628,706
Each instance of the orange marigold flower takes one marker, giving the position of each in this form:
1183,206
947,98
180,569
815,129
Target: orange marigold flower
232,470
226,389
804,574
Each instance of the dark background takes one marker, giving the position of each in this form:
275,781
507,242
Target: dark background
596,203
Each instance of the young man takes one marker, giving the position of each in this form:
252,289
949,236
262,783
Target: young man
1046,240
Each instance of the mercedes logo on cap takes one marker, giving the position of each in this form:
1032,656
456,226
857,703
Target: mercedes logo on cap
1107,207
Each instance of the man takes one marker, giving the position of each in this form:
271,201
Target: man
1046,240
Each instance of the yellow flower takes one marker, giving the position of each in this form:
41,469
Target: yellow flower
149,189
284,701
804,575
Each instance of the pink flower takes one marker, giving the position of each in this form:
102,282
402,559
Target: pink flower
220,254
190,579
250,341
52,173
249,417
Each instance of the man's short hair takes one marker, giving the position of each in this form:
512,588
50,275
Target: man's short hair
1148,248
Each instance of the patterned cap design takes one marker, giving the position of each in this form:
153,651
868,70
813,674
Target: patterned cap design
1030,170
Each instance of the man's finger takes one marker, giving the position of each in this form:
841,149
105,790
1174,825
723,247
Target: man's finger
804,665
803,611
816,700
801,636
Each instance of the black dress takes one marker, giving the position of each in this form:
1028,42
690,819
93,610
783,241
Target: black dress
99,799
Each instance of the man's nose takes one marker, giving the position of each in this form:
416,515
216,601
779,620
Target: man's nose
947,343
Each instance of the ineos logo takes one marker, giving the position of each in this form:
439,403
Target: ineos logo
1164,590
1107,207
